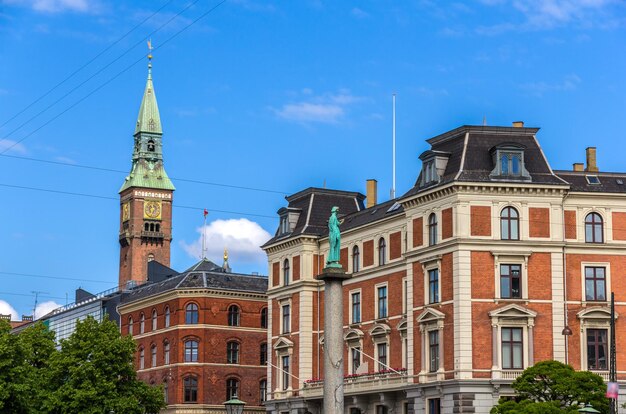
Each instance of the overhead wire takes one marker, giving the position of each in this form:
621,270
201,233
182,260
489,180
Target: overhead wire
12,145
71,75
73,279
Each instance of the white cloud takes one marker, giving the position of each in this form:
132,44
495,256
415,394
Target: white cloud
12,146
44,308
241,237
569,83
57,6
327,108
6,309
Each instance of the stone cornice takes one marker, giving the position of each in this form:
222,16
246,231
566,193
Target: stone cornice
288,243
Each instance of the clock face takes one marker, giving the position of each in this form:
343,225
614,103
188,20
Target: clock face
152,210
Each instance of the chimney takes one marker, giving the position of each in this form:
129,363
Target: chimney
591,160
579,166
518,124
371,193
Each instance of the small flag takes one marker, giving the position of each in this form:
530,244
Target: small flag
612,389
206,212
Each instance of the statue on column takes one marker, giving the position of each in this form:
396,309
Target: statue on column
334,238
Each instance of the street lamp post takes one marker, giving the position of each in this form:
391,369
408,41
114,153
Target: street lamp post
234,405
588,409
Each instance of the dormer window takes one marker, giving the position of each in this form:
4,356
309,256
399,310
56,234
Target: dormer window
284,225
288,219
509,162
433,166
429,172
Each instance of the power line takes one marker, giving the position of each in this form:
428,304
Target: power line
31,295
72,193
71,75
74,279
90,167
111,79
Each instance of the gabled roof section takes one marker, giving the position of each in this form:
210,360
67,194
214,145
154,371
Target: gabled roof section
512,311
470,158
430,315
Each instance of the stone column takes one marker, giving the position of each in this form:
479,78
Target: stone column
333,339
531,345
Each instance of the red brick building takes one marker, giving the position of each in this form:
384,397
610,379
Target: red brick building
458,285
203,335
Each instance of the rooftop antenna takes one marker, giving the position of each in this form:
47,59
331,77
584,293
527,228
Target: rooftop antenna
324,185
203,255
393,163
36,293
484,120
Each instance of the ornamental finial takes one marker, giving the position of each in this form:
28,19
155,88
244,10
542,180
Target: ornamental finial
150,57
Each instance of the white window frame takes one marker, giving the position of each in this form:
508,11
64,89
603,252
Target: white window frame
596,317
380,334
431,320
281,304
512,316
376,287
402,328
350,293
360,262
283,347
431,263
607,282
155,316
511,258
354,339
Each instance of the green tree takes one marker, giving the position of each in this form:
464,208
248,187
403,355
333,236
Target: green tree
93,373
551,387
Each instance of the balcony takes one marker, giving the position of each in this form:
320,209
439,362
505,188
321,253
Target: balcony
360,383
511,374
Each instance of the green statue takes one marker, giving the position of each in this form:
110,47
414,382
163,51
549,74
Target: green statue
334,238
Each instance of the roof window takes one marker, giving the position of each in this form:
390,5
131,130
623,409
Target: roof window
433,166
508,162
593,179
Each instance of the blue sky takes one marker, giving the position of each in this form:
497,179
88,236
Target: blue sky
275,96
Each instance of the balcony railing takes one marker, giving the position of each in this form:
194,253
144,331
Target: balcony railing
511,374
354,384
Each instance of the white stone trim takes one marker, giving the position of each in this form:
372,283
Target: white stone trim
511,258
350,293
376,287
607,281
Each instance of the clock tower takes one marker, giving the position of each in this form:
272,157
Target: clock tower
145,197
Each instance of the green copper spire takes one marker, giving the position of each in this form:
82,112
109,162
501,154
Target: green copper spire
147,170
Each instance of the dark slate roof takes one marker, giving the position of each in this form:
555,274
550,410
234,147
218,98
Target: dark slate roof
201,276
478,163
378,212
314,205
608,181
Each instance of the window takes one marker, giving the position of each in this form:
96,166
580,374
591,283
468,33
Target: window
597,349
430,174
233,315
433,350
356,307
510,281
595,283
263,359
232,388
150,146
285,372
166,353
284,225
141,359
142,323
190,389
382,251
232,352
264,318
382,409
381,349
510,164
286,319
167,316
512,348
165,388
433,286
263,391
355,259
130,325
153,352
191,314
434,406
382,302
191,351
593,228
509,224
154,319
356,358
286,272
432,229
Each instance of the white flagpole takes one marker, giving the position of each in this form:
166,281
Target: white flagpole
393,184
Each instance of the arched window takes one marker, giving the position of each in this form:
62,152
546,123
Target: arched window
263,390
165,389
157,227
286,272
233,315
130,325
593,228
150,257
264,318
382,251
153,353
232,388
151,146
141,358
190,389
166,352
167,316
355,259
154,319
146,226
432,229
191,314
232,352
142,323
509,224
191,351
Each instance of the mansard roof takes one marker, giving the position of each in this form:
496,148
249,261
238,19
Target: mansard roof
609,182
